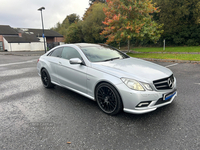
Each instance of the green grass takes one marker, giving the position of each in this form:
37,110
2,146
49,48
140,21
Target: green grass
191,57
168,49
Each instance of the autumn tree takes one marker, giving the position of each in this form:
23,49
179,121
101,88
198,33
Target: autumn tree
127,19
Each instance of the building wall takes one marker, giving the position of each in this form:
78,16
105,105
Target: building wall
1,40
1,37
59,39
50,40
6,45
37,46
34,46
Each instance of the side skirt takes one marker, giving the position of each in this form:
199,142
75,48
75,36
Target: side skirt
81,93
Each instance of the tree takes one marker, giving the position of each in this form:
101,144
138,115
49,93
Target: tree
181,21
72,18
92,1
89,10
74,33
67,22
92,24
127,19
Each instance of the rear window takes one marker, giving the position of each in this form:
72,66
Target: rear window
57,52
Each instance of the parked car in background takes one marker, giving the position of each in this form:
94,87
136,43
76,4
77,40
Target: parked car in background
104,74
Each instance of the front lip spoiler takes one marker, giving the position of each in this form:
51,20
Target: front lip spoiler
148,109
139,111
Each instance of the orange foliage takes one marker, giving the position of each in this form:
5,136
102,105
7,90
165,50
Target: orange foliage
122,19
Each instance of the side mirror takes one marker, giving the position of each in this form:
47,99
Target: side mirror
75,61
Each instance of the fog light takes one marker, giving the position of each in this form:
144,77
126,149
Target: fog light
143,104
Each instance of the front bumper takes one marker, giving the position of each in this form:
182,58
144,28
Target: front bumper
131,99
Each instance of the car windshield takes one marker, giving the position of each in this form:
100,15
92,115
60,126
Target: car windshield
102,53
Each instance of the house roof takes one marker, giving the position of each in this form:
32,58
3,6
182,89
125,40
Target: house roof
47,33
27,35
26,38
7,30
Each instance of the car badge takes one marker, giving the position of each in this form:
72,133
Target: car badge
170,83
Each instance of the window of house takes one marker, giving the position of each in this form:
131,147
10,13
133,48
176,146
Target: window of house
1,46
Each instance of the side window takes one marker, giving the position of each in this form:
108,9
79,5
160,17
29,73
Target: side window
57,52
69,52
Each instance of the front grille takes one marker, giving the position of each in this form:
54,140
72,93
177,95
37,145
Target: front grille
164,84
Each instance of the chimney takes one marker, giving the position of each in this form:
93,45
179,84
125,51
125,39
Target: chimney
20,34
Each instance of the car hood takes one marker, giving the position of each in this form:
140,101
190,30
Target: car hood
133,68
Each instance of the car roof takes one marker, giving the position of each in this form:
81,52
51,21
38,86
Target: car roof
86,45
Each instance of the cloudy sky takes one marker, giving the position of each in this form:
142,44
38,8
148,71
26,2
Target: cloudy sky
25,14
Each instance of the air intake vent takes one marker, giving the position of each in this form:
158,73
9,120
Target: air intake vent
164,84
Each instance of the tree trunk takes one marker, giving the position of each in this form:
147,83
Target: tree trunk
128,45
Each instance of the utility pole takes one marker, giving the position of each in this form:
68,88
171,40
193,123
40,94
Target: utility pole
40,9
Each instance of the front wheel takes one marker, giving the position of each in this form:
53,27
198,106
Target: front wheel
108,99
46,80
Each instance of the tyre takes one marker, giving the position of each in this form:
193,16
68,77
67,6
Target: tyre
46,80
108,99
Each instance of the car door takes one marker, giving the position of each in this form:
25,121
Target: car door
53,59
72,75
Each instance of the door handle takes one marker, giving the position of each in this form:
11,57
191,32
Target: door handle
60,63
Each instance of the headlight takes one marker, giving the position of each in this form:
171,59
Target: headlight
147,86
133,84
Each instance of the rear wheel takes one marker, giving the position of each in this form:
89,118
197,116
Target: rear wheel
108,99
46,80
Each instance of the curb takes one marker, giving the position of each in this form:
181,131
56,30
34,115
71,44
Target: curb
126,51
171,60
39,53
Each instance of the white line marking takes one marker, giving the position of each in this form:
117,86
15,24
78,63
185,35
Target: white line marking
171,65
197,83
18,63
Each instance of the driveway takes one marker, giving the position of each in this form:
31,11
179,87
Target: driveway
33,117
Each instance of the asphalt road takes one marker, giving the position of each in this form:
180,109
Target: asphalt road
32,117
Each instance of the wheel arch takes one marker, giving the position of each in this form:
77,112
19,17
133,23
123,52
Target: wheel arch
104,81
42,69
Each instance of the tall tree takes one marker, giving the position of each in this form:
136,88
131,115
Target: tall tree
127,19
92,24
74,33
72,18
181,21
67,22
92,1
89,10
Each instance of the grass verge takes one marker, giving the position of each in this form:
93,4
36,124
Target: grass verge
190,57
168,49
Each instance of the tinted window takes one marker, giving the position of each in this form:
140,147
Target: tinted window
57,52
69,52
102,53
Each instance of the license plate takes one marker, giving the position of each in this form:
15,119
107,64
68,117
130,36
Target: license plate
169,96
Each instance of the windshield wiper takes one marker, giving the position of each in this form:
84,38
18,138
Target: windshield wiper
112,59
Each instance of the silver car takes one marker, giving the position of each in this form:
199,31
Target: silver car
104,74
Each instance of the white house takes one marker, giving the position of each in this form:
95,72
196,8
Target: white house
20,39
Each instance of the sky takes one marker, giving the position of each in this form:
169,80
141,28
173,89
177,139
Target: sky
25,14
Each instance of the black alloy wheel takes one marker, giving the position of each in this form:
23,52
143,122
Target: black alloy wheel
46,80
108,99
